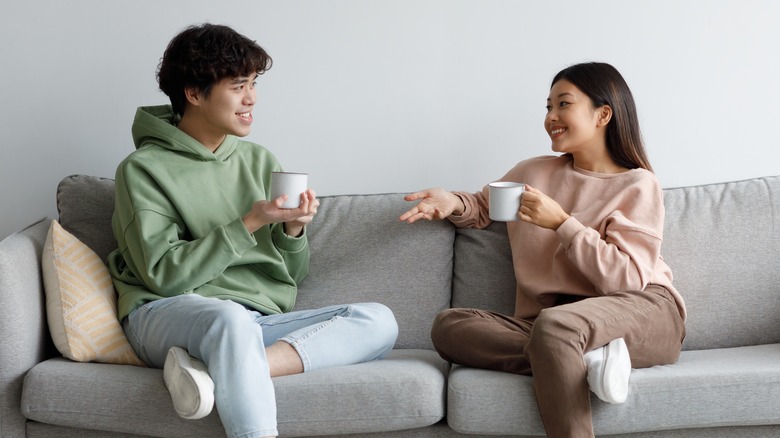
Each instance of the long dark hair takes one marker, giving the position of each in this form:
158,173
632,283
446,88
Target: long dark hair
604,85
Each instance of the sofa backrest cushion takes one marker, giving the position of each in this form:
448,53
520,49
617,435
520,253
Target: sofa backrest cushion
722,242
360,252
483,275
85,205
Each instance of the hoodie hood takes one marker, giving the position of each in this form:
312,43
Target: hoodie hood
156,125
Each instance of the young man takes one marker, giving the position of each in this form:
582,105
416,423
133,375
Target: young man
207,266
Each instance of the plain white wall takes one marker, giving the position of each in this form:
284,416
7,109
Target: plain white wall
392,95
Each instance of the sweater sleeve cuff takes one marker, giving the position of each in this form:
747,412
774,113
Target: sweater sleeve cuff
463,217
239,237
568,229
286,242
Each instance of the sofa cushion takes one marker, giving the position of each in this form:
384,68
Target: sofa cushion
81,302
85,205
360,252
483,275
406,267
722,242
723,387
404,391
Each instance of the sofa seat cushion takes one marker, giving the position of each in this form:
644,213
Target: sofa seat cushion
405,390
705,388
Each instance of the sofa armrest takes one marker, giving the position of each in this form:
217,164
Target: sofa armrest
24,333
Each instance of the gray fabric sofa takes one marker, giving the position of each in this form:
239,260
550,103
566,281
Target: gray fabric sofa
721,240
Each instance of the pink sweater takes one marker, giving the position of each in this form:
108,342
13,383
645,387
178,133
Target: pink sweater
612,242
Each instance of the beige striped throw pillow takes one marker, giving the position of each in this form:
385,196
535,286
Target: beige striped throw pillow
81,302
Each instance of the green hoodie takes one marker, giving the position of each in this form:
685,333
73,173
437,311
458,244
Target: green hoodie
178,222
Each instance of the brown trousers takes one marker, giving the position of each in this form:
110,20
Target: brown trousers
550,347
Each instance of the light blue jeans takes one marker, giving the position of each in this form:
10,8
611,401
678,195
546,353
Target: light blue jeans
231,341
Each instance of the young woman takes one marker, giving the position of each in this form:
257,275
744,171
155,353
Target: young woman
594,296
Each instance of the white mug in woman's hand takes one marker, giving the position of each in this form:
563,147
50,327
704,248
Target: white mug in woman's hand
505,200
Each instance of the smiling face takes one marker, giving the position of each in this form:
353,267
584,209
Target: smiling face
573,124
226,109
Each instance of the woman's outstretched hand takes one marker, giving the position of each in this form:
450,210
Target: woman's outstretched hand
435,204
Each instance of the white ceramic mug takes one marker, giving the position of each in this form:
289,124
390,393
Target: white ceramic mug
291,184
505,200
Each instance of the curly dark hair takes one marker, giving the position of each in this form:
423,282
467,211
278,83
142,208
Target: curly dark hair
201,56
